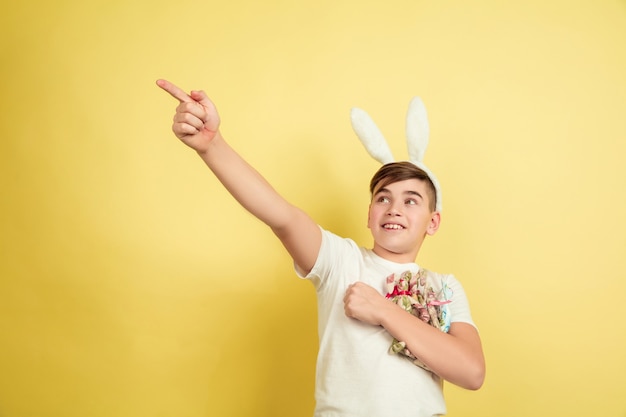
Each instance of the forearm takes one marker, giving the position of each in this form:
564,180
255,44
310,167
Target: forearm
455,356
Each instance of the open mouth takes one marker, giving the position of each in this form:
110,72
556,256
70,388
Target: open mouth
392,226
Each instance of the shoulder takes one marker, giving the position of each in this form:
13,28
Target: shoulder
440,280
450,287
334,242
453,290
336,253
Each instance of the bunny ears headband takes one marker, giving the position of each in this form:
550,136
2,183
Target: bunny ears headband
417,133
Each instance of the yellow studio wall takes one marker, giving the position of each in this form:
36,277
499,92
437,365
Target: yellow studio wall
131,284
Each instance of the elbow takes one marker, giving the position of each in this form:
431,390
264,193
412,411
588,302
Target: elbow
476,378
475,384
470,378
476,371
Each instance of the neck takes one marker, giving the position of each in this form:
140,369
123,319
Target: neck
400,258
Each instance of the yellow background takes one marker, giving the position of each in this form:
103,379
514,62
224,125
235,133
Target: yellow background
131,284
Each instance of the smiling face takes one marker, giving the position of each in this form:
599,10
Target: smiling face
400,216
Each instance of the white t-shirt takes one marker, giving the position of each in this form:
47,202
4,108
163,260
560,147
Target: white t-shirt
356,374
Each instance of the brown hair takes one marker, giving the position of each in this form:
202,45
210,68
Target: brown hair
401,171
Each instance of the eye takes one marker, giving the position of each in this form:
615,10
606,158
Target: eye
411,201
382,199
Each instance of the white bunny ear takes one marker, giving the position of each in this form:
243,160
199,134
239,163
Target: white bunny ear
417,130
371,137
417,135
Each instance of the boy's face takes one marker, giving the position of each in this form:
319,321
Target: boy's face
400,218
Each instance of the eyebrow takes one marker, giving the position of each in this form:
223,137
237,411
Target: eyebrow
384,190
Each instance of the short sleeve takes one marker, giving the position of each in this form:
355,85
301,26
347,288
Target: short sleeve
459,307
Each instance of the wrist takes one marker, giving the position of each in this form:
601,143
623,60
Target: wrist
387,313
211,142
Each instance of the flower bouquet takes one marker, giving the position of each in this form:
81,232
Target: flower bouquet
416,295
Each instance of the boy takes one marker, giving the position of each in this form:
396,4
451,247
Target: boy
356,375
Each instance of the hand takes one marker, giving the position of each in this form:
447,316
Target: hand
364,303
196,122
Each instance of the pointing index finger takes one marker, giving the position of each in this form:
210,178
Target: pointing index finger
174,91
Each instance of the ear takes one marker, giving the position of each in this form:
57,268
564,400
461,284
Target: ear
417,130
370,136
435,221
417,136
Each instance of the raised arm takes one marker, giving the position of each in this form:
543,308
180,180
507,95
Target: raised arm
196,123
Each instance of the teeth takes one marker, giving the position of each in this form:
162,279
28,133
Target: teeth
392,226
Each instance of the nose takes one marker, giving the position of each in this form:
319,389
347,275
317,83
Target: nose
393,210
